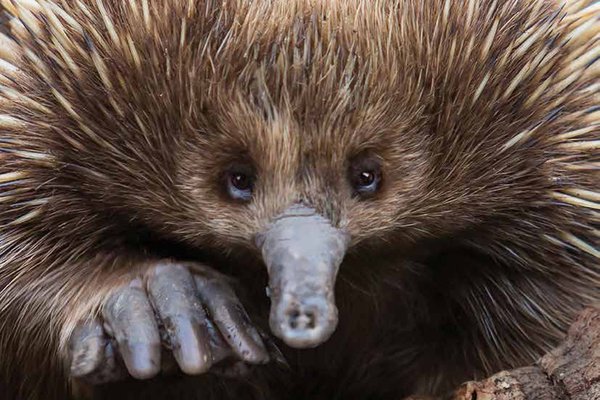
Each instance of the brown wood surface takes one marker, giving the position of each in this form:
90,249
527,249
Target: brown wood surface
569,372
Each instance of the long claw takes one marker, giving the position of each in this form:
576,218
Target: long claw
231,318
87,348
130,317
275,354
172,291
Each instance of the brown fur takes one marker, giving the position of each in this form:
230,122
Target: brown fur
116,118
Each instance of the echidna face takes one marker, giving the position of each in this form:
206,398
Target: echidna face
299,195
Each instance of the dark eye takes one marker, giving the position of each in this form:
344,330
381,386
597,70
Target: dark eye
366,178
365,175
240,183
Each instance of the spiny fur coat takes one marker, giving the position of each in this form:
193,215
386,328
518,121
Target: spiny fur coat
117,116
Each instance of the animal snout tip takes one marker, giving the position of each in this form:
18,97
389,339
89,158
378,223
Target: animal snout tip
305,325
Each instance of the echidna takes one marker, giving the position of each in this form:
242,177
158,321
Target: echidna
437,159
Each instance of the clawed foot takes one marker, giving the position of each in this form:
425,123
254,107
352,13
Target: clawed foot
166,319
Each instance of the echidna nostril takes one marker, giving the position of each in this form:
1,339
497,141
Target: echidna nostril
311,319
302,319
293,315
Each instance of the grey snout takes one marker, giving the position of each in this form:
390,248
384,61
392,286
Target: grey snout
303,311
303,252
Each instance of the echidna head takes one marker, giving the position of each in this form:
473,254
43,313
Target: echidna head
301,192
300,133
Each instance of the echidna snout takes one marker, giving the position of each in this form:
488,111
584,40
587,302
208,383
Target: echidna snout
302,252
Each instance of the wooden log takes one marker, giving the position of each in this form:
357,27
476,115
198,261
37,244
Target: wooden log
569,372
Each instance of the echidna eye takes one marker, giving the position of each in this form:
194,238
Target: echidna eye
365,175
366,178
240,183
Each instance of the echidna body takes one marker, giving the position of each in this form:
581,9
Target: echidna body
478,121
